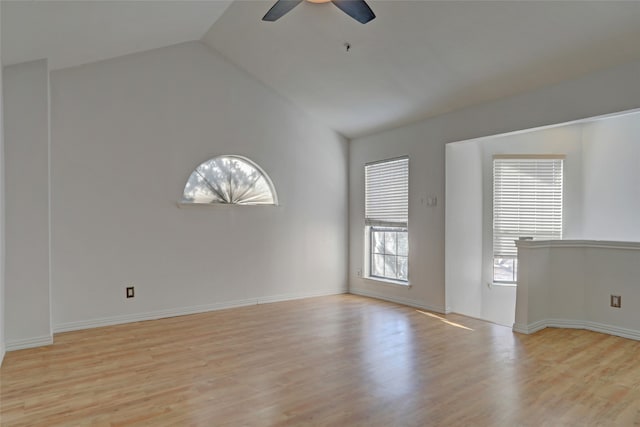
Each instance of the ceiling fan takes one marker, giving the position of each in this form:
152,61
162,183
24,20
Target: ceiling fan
357,9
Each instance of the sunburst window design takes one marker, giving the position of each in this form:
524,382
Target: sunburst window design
231,180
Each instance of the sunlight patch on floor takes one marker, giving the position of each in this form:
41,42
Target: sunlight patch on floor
442,319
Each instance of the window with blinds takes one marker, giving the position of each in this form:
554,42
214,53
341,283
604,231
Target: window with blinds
387,192
527,203
386,219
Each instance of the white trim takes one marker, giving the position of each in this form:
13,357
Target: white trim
182,311
403,301
223,205
404,157
2,353
615,330
529,156
391,282
49,204
272,187
502,285
293,297
567,324
531,328
150,315
605,244
550,126
29,343
577,324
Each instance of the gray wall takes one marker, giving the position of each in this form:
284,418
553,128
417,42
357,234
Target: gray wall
601,200
126,135
604,92
2,216
26,96
466,282
612,178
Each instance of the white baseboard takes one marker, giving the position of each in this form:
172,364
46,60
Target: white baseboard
577,324
615,330
403,301
295,296
2,352
182,311
29,343
530,328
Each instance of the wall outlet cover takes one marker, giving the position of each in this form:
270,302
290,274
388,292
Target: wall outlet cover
616,301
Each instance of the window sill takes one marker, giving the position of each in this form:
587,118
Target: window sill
503,285
189,205
389,282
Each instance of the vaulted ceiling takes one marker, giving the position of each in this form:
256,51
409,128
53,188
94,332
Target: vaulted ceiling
415,60
75,32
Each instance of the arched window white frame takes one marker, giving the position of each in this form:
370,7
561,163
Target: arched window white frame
229,179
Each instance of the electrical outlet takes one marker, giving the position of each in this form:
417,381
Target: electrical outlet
130,292
359,273
616,301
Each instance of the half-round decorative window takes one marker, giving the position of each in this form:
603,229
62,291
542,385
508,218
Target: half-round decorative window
229,180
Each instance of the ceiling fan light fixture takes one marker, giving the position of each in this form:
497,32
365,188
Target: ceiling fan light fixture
357,9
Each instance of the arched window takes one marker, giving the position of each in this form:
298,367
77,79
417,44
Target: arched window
229,180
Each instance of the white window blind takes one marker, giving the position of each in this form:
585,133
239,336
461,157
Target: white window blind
387,192
527,201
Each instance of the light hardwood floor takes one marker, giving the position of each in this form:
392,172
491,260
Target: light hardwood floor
329,361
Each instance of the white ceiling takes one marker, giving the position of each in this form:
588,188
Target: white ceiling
422,58
415,60
71,33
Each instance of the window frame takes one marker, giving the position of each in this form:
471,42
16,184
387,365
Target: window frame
240,160
382,216
555,233
372,253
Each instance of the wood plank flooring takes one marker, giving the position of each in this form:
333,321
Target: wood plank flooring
329,361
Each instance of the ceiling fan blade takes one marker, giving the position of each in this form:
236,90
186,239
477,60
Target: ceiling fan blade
279,9
357,9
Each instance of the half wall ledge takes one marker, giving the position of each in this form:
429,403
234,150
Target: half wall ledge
569,284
